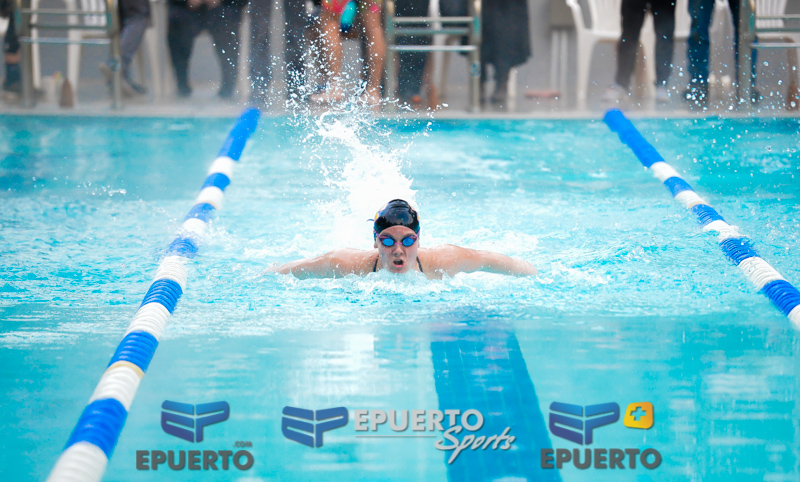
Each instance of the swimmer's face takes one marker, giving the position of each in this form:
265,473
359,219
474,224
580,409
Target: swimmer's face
398,258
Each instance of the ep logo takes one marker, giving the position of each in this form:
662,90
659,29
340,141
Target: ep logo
577,424
183,415
329,418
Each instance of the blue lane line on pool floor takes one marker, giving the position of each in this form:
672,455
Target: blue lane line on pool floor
737,248
480,366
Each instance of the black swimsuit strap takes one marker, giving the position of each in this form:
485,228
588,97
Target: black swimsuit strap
375,268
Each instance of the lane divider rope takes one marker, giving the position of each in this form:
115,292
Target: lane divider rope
737,247
91,444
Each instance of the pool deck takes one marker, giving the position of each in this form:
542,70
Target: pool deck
95,101
205,103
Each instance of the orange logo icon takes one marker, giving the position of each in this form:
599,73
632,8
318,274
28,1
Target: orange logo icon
639,415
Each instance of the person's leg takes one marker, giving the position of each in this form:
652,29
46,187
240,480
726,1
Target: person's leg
632,12
734,6
412,64
295,19
13,79
133,17
182,26
701,12
260,61
223,24
331,46
501,72
484,77
664,21
130,39
376,49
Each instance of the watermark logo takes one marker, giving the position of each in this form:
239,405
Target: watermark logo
577,423
303,420
187,422
639,415
183,415
457,429
580,431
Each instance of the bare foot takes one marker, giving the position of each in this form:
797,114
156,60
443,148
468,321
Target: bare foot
372,99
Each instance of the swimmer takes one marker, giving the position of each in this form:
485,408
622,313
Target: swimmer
397,250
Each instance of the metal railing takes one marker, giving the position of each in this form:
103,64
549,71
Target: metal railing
469,26
27,18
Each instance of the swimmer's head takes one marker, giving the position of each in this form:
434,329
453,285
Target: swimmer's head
396,231
396,213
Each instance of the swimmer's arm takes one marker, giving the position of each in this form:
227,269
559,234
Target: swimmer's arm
330,265
469,260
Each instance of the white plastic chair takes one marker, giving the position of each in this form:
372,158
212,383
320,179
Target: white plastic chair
150,43
767,8
604,27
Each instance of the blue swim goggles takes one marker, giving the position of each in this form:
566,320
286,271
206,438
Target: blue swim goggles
389,241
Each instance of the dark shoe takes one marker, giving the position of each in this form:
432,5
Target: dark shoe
226,91
499,98
500,95
132,89
184,90
128,87
697,95
755,97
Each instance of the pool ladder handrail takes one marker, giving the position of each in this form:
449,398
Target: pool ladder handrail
469,26
748,31
26,16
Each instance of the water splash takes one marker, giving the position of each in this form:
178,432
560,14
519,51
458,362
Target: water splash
362,160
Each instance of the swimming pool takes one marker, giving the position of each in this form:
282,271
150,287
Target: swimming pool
634,303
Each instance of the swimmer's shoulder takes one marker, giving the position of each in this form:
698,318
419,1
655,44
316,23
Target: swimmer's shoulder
352,261
441,259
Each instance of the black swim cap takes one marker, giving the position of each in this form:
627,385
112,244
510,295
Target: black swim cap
396,213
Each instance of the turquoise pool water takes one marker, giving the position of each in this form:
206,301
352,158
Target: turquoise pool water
634,303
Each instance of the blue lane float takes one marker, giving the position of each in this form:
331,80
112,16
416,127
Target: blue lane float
736,246
94,437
